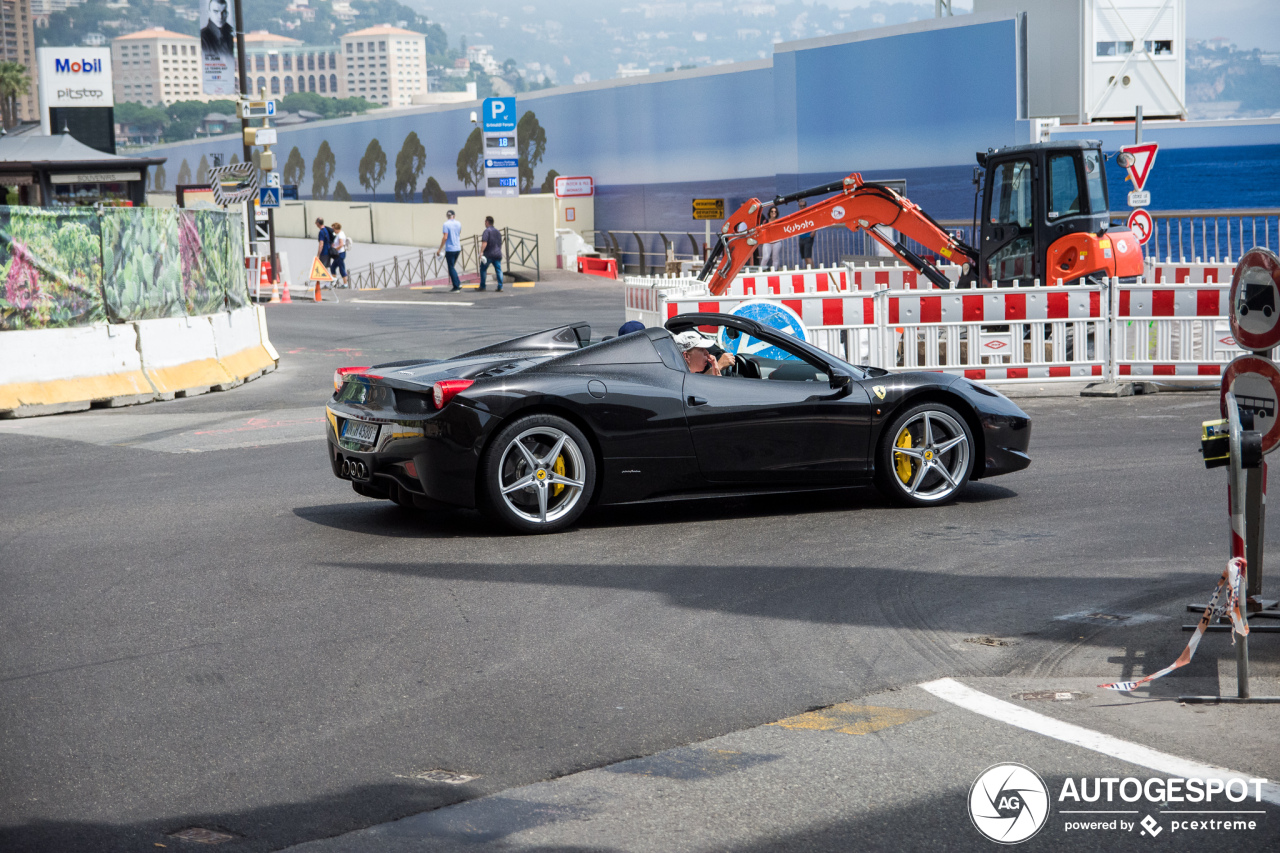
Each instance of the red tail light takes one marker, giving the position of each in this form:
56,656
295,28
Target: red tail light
340,376
446,389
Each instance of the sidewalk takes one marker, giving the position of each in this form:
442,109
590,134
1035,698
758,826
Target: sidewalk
892,771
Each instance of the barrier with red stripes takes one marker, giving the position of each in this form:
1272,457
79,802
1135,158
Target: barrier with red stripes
1173,331
998,335
1036,333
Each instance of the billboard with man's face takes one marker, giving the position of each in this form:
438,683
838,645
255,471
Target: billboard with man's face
218,45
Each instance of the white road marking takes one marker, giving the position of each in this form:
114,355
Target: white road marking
997,709
411,302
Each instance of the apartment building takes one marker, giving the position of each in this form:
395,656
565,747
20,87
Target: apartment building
17,44
279,65
384,64
155,67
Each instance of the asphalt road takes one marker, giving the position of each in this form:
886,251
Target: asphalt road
201,626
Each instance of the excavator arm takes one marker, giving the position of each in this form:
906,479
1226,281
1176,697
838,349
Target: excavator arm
857,205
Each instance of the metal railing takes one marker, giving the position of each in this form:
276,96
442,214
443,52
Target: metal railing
1179,235
520,251
1212,235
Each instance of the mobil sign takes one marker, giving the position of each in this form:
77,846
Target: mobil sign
74,77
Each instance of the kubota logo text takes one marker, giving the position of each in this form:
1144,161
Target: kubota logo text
799,226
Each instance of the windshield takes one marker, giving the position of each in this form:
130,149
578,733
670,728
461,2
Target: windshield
1096,182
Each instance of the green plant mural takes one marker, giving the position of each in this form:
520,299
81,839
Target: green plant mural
50,268
141,264
340,192
184,174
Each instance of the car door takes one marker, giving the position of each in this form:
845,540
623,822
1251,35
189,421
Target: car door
794,428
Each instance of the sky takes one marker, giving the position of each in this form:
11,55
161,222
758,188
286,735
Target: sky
1247,23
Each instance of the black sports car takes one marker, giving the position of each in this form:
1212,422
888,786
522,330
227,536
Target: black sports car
536,429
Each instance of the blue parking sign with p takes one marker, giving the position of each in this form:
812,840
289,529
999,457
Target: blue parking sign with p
499,114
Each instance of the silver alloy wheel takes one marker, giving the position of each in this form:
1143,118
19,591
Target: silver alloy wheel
930,456
528,480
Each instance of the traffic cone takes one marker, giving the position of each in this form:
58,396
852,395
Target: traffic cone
265,278
284,290
317,291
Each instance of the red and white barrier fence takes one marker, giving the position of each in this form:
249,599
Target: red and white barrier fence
1032,333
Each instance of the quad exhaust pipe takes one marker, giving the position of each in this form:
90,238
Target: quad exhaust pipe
354,469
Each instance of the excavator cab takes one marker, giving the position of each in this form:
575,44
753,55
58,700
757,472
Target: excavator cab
1045,217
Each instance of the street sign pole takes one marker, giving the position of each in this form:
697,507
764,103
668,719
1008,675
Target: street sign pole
242,62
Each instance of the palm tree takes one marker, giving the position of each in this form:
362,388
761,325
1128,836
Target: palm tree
14,83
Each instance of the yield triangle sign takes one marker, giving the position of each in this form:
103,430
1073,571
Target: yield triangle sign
1144,156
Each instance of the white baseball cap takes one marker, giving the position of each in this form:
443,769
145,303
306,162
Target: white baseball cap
692,339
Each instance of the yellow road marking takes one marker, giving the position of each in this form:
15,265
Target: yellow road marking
522,284
851,719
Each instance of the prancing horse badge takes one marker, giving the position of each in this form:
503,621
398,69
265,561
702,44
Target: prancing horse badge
879,389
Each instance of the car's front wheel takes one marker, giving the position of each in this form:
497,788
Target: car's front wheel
925,456
538,474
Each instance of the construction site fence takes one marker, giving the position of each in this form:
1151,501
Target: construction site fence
1170,326
1192,236
520,252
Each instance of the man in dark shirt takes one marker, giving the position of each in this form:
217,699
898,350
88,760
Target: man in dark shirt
217,38
491,252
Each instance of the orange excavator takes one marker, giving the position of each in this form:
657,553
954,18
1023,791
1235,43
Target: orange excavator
1045,217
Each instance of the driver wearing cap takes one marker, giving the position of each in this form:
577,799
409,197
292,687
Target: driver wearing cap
699,353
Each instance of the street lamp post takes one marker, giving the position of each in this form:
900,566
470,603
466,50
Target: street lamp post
245,91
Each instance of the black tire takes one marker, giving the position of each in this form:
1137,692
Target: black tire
928,427
538,506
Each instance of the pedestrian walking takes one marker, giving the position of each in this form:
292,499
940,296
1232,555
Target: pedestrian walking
769,251
324,245
806,243
338,256
451,248
491,253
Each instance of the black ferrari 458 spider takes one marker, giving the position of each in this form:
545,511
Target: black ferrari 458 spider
537,429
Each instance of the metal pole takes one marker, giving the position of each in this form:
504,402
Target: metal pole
1137,125
1239,532
243,63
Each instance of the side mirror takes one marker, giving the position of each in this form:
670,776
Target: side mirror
841,381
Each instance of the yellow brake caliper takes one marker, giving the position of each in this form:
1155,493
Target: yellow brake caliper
903,461
559,469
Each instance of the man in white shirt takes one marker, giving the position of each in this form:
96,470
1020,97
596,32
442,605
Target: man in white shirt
451,247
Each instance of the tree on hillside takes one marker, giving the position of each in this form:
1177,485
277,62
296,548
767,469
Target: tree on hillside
409,164
151,121
184,174
532,145
549,182
322,169
14,83
373,166
340,192
432,193
471,160
295,168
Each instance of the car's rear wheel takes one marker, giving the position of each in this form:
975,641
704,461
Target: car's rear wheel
538,474
925,456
